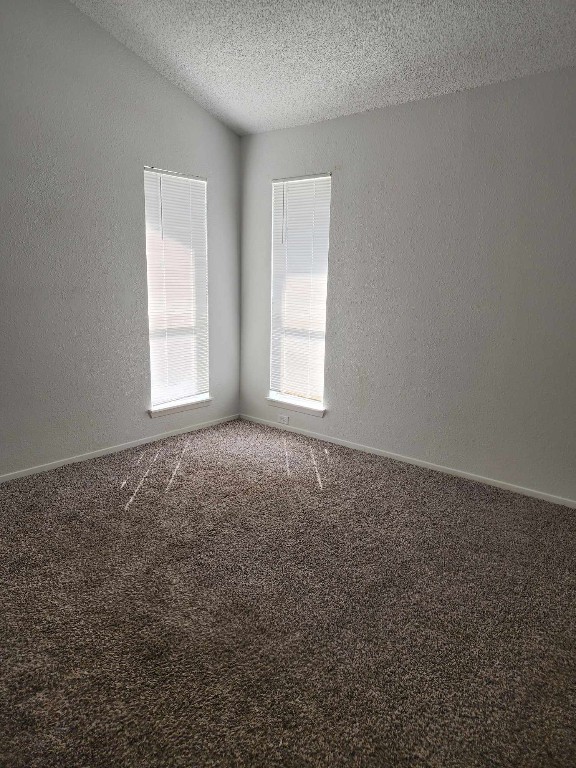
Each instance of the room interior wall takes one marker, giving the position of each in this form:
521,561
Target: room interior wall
450,302
80,117
451,312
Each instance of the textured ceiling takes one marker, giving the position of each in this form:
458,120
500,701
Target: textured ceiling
265,64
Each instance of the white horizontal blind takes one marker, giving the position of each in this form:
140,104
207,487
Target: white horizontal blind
300,239
176,253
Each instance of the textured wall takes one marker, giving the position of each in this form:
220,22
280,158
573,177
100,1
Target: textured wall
452,276
80,117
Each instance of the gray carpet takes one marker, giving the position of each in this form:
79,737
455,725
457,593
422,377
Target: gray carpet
242,596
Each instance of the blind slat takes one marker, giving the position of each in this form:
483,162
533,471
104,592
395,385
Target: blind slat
176,254
300,243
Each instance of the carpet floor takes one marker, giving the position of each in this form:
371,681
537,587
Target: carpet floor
242,596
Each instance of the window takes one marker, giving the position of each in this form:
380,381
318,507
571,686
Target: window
176,253
300,236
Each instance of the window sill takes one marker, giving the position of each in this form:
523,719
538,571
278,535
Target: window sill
179,405
310,407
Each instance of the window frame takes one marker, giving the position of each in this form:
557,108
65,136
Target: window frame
193,401
275,398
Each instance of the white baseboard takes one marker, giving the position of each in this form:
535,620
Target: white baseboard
111,449
419,463
346,443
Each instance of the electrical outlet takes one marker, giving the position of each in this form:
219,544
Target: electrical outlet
284,419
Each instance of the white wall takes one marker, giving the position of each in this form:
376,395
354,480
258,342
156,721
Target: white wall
452,275
80,116
451,309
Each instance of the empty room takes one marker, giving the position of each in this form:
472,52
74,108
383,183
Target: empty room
288,383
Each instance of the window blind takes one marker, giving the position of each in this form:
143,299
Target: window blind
176,254
300,239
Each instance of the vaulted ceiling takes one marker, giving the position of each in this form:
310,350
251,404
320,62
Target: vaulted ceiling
265,64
